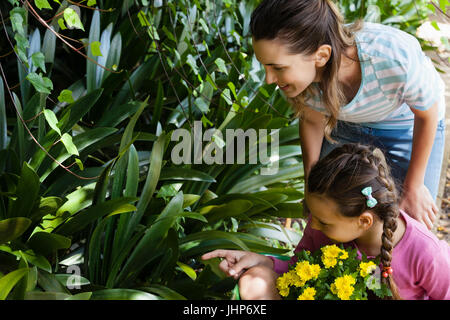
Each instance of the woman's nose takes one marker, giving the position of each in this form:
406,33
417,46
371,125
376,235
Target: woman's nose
270,77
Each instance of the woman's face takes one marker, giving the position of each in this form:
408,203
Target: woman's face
293,73
325,217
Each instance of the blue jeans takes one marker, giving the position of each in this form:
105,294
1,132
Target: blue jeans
396,145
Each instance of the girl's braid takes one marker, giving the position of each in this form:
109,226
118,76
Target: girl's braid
389,212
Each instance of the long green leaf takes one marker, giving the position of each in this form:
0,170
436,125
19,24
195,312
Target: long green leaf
91,68
45,243
145,249
3,128
184,174
150,184
164,292
131,189
10,280
123,294
13,228
81,220
27,192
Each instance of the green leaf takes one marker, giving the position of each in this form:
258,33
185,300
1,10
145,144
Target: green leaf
82,219
10,280
151,182
52,120
72,19
204,25
66,279
50,296
123,294
91,3
66,96
38,60
202,104
66,139
40,83
212,234
221,65
82,295
184,174
95,48
192,63
27,193
145,251
17,16
188,270
190,199
42,4
79,164
226,95
46,243
13,228
164,292
232,209
61,24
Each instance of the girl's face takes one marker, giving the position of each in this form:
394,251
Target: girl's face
325,217
293,73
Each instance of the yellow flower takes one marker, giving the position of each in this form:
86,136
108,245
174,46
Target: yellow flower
308,294
328,262
331,251
307,271
284,292
287,280
343,287
344,255
366,268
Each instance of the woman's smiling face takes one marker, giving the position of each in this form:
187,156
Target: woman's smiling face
293,73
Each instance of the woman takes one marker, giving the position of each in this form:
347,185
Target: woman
368,83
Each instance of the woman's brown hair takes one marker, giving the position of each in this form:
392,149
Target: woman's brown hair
341,176
305,25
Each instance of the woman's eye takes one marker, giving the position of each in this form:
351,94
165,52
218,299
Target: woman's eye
277,69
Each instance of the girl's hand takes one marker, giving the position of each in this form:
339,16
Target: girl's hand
236,262
419,204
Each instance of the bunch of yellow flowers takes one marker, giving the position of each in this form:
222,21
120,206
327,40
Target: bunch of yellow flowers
331,273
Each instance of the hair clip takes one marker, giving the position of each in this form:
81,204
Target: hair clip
371,201
387,271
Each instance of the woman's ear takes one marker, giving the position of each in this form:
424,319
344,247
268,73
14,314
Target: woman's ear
365,220
322,55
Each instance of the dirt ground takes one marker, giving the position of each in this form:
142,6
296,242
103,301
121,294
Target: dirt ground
443,224
441,58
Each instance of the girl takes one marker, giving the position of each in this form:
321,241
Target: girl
368,83
342,213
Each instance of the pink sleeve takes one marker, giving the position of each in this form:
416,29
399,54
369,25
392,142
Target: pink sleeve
312,240
435,272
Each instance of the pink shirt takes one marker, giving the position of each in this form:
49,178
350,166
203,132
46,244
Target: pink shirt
420,261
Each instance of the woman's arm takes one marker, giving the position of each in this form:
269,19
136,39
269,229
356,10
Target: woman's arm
311,130
416,199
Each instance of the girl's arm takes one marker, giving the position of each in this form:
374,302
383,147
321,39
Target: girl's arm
416,199
311,130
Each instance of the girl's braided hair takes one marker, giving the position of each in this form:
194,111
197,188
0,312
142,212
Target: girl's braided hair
343,173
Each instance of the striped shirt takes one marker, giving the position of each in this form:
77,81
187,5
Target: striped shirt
395,76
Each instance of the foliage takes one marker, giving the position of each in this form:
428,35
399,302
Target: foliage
98,195
331,273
